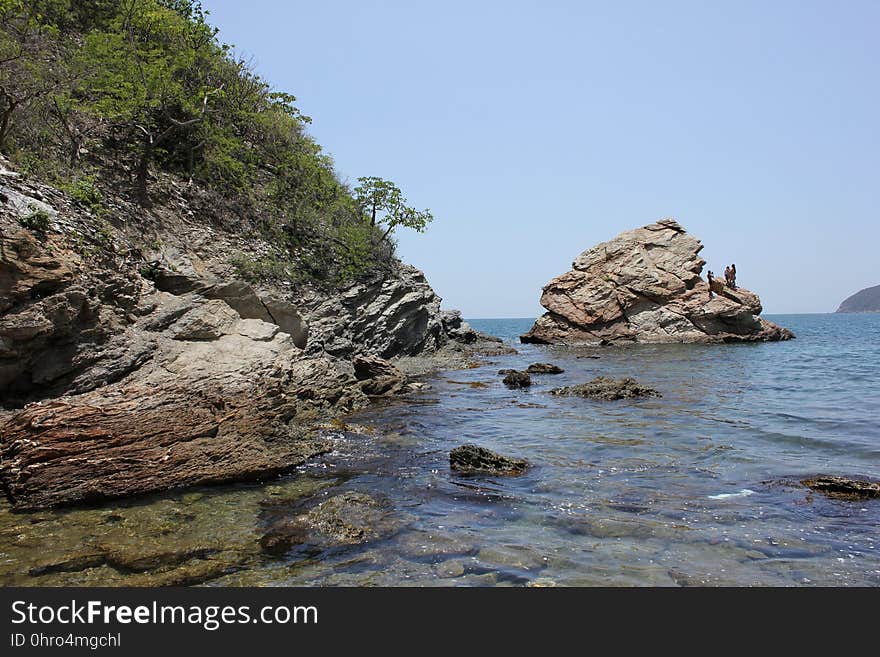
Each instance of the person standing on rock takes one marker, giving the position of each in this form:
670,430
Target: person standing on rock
727,275
709,277
732,281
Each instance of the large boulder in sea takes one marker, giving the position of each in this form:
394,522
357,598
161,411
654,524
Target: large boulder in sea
645,286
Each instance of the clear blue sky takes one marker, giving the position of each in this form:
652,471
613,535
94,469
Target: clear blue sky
533,130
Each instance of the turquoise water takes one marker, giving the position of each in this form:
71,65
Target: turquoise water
698,487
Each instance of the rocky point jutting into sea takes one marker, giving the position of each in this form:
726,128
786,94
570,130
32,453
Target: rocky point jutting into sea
645,286
863,301
133,358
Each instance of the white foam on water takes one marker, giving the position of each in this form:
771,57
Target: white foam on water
745,492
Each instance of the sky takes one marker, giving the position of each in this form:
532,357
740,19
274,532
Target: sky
534,130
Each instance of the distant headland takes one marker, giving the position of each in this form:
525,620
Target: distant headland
863,301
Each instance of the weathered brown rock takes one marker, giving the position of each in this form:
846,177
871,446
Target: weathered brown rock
645,286
28,271
607,389
193,419
471,459
377,375
544,368
843,487
517,379
63,327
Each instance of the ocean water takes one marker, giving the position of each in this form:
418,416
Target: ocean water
698,487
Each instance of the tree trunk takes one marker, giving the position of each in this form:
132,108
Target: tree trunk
6,124
143,171
75,144
191,160
190,165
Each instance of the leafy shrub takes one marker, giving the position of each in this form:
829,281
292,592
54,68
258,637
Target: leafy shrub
37,221
86,193
266,268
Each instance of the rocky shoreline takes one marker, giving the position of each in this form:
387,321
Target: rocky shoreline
131,375
129,369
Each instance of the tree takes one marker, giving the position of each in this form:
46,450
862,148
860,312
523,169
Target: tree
32,65
142,75
382,202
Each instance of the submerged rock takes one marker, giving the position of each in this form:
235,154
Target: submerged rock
544,368
608,389
350,518
517,379
843,487
471,459
645,286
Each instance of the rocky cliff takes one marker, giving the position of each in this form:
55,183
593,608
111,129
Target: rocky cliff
133,359
645,286
863,301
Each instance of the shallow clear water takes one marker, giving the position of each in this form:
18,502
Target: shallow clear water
696,487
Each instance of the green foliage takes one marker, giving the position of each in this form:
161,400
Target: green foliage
127,89
383,203
85,191
256,270
150,270
355,251
37,221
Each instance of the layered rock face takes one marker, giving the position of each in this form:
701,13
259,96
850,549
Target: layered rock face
393,316
645,286
123,372
157,390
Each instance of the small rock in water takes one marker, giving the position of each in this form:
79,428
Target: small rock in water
470,459
544,368
451,568
608,389
517,379
350,518
542,582
843,487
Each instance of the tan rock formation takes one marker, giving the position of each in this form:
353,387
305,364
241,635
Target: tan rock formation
645,286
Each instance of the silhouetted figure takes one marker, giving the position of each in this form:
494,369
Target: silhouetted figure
732,281
709,277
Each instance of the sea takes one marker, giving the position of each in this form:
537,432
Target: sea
698,487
